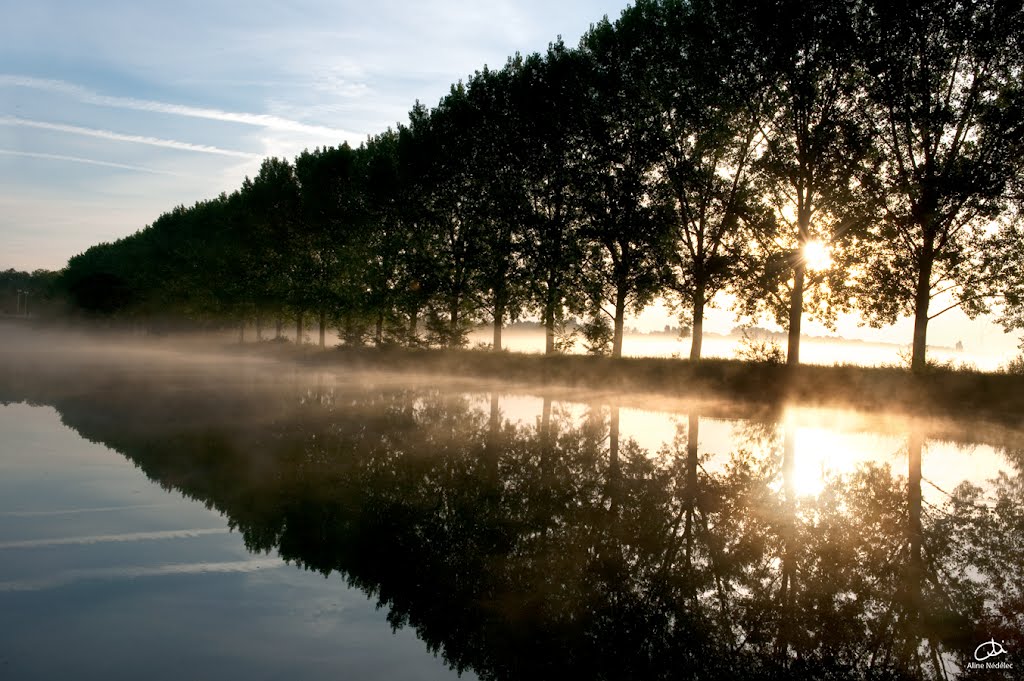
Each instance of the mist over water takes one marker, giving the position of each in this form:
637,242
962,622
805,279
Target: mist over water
516,533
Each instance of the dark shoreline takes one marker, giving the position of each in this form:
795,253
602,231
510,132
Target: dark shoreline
940,393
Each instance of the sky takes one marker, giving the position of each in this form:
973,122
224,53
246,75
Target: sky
113,112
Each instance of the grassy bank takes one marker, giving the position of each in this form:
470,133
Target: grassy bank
961,394
998,397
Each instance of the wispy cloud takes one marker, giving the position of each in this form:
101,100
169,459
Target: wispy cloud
108,538
76,511
119,137
90,97
132,572
91,161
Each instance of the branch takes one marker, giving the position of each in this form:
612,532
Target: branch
957,304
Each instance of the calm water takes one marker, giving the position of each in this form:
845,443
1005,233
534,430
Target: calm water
162,518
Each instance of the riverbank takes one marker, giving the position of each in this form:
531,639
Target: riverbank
989,396
960,394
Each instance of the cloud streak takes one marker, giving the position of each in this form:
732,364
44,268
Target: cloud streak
111,538
90,97
119,137
132,572
90,161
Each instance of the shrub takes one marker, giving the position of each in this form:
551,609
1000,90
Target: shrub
597,335
1015,367
760,350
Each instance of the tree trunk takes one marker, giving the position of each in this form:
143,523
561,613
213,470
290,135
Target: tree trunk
613,460
620,319
787,589
453,328
492,452
545,443
323,329
922,297
692,435
259,327
697,336
796,311
545,418
378,332
413,323
298,329
499,315
915,565
549,327
613,436
494,422
278,324
241,332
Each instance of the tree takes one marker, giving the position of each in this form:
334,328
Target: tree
693,56
332,200
452,211
1007,259
549,94
496,173
946,100
274,242
814,146
625,229
389,242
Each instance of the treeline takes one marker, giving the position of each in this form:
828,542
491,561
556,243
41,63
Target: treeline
24,294
809,157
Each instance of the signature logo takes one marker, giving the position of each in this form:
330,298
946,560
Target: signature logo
988,650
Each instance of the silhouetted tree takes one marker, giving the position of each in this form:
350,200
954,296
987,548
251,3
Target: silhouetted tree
807,172
626,231
550,95
943,81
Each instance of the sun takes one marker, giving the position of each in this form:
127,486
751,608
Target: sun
817,256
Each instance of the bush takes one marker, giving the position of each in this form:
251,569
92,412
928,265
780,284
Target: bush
1015,367
565,337
597,335
760,350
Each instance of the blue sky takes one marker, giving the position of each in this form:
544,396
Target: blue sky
113,112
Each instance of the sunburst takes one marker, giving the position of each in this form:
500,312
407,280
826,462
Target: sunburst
817,256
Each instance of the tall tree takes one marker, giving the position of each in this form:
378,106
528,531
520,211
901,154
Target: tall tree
549,94
626,230
275,240
496,175
945,96
452,211
332,212
814,146
389,243
695,56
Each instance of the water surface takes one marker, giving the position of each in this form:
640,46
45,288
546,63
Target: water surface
173,520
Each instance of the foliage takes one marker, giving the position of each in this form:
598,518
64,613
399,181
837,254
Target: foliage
597,334
1015,366
945,102
759,349
35,292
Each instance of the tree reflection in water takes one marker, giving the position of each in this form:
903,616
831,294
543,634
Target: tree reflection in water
558,549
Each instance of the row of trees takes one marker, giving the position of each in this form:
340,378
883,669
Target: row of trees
689,149
25,293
